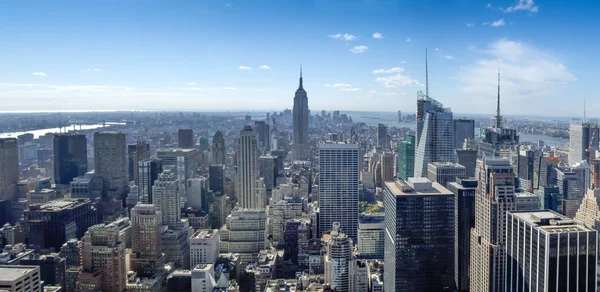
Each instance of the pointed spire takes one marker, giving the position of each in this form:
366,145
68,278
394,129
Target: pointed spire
426,76
300,87
498,116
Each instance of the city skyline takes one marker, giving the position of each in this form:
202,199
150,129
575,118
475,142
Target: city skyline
355,56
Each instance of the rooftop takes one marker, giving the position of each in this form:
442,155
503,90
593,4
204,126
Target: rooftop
59,204
205,233
416,186
446,164
11,273
550,221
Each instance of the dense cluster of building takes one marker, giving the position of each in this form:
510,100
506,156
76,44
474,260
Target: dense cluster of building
299,202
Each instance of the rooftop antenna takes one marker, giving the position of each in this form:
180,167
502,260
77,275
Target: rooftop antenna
426,76
498,116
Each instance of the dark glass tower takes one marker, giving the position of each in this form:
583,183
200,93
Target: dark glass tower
70,157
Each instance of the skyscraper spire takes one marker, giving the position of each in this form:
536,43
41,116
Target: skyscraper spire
426,76
300,87
498,116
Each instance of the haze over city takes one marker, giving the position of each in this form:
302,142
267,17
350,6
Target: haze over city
244,55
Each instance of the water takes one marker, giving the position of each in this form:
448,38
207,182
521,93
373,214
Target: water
42,132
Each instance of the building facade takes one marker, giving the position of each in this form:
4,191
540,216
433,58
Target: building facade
247,186
103,251
185,138
583,140
301,113
110,159
218,148
445,173
166,197
204,247
70,157
146,243
406,158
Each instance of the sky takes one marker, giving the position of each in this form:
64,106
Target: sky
363,55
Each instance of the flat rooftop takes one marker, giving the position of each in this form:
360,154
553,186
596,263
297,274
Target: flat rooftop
416,186
205,233
59,204
446,164
11,273
550,221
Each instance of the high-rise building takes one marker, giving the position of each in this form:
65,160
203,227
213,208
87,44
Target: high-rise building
70,157
494,197
572,186
20,278
263,136
218,148
146,243
266,168
445,173
301,113
185,138
248,189
166,194
338,187
136,153
148,171
463,129
203,278
406,158
387,167
583,140
244,233
196,191
371,236
468,159
589,215
110,159
464,220
183,162
53,223
176,244
382,138
419,241
435,135
204,247
216,178
52,268
546,251
340,262
103,251
70,251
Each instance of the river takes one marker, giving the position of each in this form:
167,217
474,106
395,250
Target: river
42,132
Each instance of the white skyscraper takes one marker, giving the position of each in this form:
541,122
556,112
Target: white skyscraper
338,187
435,135
195,190
249,192
340,263
583,140
204,247
301,114
166,195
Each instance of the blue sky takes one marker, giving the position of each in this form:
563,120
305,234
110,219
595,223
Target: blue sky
356,55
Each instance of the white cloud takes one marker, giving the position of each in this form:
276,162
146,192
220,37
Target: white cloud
244,68
437,49
470,24
346,37
264,67
191,84
408,40
377,35
525,5
93,70
39,74
342,85
389,71
350,89
526,72
448,57
397,80
498,23
359,49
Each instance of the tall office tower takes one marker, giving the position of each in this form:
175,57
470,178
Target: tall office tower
399,116
146,243
406,158
463,129
204,247
165,195
196,192
549,252
572,187
110,159
495,196
387,166
338,187
263,136
148,171
301,113
371,236
468,159
248,172
498,141
216,178
340,263
583,140
9,168
70,251
435,134
419,242
244,233
70,157
266,169
464,219
382,139
53,223
20,278
136,153
218,148
103,251
445,173
182,161
185,138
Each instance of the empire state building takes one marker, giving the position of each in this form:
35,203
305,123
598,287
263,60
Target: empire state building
300,148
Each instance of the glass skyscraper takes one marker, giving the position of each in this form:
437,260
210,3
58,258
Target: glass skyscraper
406,158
